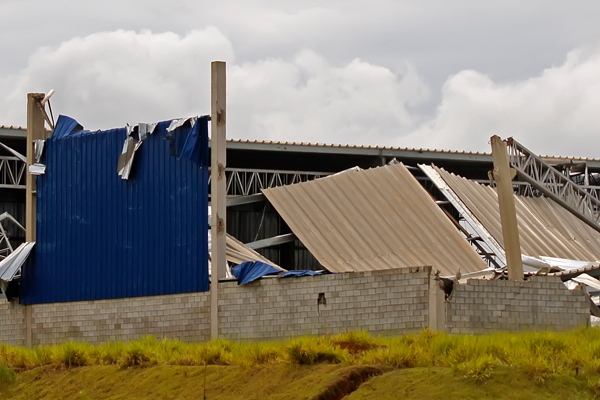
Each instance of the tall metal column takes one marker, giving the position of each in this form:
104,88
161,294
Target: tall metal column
504,175
218,190
35,131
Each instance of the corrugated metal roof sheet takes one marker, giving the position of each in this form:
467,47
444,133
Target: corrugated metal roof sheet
373,219
20,128
238,253
545,228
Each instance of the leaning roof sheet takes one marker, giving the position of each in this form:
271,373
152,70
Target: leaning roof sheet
237,253
545,228
373,219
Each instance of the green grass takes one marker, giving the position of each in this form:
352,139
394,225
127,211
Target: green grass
281,382
537,354
440,383
540,358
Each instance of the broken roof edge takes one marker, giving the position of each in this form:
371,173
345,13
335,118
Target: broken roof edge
67,127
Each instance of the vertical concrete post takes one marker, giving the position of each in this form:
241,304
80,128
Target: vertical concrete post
35,130
218,190
503,175
437,304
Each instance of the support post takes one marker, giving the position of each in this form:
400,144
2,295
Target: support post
35,130
503,175
437,304
218,190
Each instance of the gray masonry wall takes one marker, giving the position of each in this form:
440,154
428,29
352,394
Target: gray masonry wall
183,316
12,323
382,302
542,302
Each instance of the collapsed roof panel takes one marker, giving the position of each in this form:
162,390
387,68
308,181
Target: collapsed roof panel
237,253
545,227
380,218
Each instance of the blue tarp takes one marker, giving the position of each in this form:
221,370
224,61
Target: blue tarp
249,271
298,273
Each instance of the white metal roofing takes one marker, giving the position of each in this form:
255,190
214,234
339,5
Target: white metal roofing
11,265
545,228
237,253
373,219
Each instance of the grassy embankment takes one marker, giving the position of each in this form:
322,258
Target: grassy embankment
423,365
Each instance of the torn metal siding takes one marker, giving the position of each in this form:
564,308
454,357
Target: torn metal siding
380,218
545,228
101,237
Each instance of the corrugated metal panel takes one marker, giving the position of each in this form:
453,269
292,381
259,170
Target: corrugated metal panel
380,218
238,253
545,228
101,237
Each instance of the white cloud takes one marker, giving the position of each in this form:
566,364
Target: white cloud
110,78
553,113
306,99
107,79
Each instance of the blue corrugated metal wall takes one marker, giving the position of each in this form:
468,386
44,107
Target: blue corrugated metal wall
101,237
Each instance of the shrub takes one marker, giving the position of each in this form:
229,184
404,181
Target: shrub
255,354
71,355
359,338
479,368
397,355
310,351
135,354
216,352
109,354
538,369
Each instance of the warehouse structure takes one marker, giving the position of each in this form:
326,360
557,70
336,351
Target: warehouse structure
257,165
116,235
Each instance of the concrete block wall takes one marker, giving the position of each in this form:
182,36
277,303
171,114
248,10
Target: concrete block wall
542,302
382,302
183,316
12,323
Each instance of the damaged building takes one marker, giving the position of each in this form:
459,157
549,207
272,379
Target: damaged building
319,238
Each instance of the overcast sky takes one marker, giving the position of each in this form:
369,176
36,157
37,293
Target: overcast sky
428,73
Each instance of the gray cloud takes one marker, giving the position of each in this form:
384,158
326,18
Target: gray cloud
554,112
428,74
111,78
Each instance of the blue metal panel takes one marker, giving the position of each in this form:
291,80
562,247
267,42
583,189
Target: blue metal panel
101,237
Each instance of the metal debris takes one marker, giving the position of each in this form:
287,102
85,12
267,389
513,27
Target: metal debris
127,156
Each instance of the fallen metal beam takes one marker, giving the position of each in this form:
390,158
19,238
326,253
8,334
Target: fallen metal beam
272,241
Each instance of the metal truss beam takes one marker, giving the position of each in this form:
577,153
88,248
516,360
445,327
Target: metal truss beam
12,172
585,205
248,182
